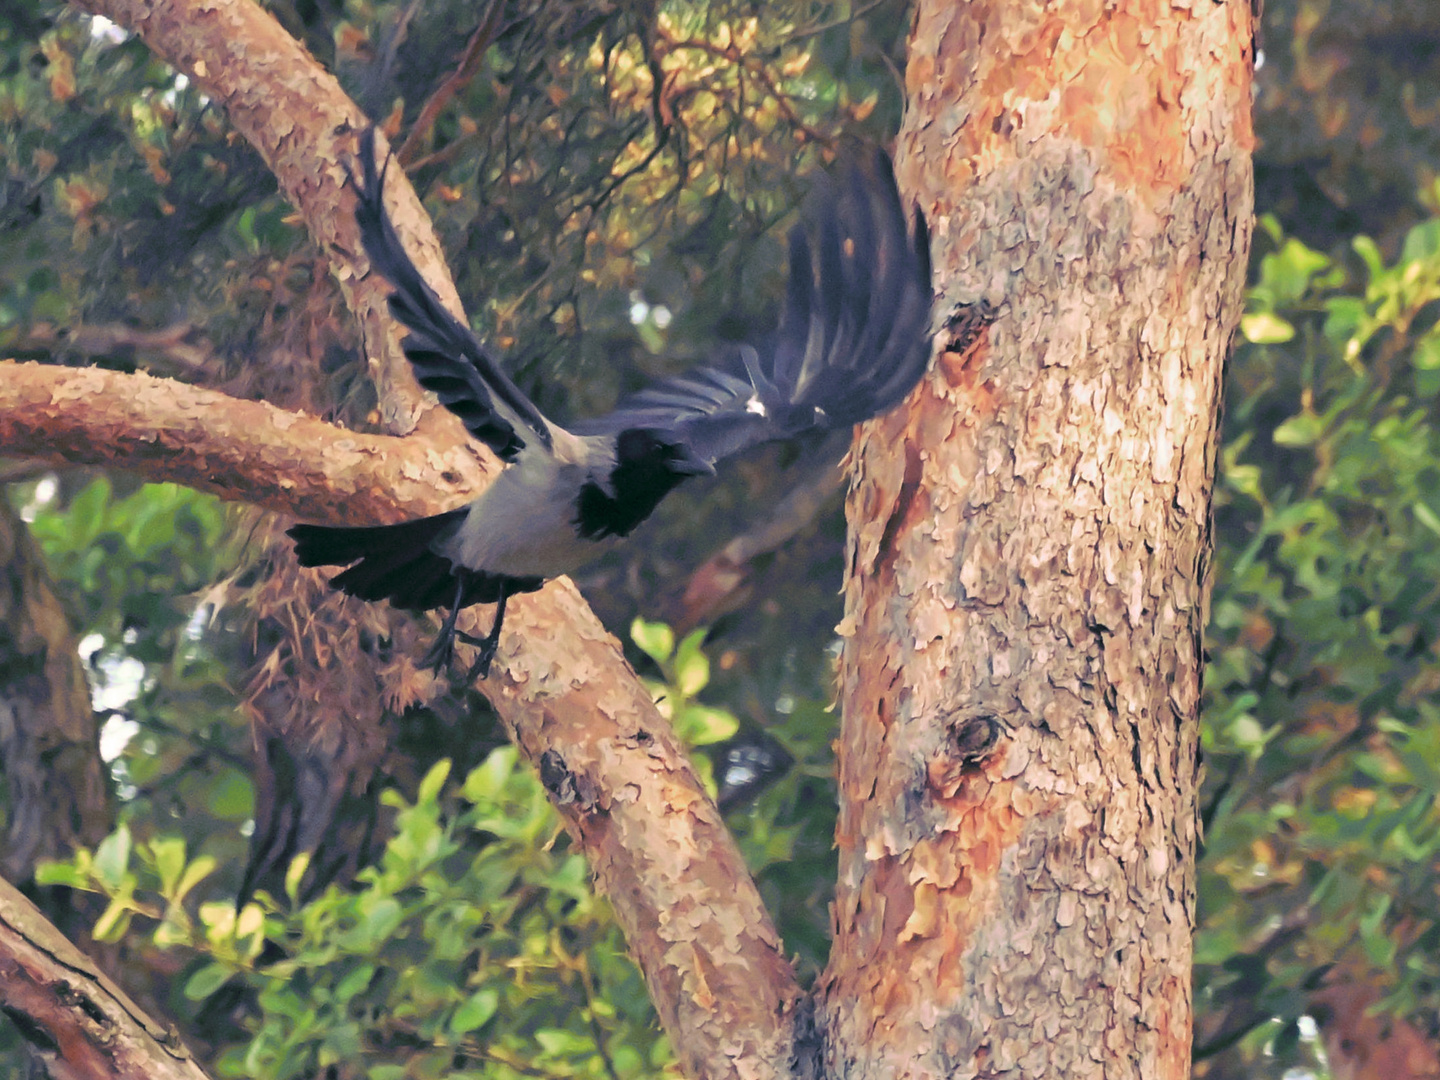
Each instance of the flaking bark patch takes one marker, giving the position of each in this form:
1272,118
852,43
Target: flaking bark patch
1022,904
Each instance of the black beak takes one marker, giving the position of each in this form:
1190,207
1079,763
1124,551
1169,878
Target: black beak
687,463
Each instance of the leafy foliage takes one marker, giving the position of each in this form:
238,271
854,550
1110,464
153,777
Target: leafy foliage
137,569
474,948
1322,735
608,187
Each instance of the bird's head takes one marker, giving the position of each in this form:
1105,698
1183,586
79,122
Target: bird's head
645,451
648,466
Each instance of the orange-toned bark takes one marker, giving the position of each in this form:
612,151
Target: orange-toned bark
243,450
1030,539
677,882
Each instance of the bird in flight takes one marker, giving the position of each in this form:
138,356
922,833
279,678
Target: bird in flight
853,340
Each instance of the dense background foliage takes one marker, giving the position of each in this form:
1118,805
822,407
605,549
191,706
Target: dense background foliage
610,186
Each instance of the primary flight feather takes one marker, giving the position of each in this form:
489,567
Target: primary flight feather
853,340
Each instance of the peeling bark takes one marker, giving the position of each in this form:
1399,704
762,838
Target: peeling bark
659,850
1029,550
76,1021
243,450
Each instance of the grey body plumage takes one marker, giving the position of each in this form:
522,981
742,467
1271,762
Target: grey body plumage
853,341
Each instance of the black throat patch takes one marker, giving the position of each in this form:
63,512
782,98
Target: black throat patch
642,477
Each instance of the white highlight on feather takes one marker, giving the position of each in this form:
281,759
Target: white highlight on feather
755,405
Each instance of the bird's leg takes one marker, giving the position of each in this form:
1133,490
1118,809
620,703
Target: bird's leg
439,654
489,643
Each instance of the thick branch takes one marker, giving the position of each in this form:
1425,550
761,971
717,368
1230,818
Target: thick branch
79,1022
660,852
244,450
657,843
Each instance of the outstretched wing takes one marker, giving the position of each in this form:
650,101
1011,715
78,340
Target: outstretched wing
853,340
447,357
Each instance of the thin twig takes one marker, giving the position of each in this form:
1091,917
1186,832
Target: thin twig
596,1031
469,64
759,72
811,31
397,38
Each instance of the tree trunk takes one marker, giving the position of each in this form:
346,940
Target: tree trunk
56,792
1028,557
1030,540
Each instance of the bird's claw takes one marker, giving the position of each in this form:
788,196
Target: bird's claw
437,658
480,669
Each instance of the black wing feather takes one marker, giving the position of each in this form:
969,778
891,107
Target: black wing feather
399,563
396,562
448,359
853,341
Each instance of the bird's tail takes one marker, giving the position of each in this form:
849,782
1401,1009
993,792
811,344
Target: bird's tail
396,562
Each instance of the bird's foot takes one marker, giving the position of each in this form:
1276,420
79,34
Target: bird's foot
487,645
437,658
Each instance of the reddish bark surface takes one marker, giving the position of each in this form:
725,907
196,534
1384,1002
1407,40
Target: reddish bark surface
1029,550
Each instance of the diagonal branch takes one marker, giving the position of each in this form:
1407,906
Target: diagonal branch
79,1022
659,850
456,81
658,846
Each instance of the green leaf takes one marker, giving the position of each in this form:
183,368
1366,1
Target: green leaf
692,667
1426,355
113,921
1426,517
112,857
1302,430
196,872
354,983
1266,328
702,726
433,782
295,875
1369,253
1422,242
655,639
488,780
206,981
1286,273
63,873
475,1012
169,855
1344,316
383,919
